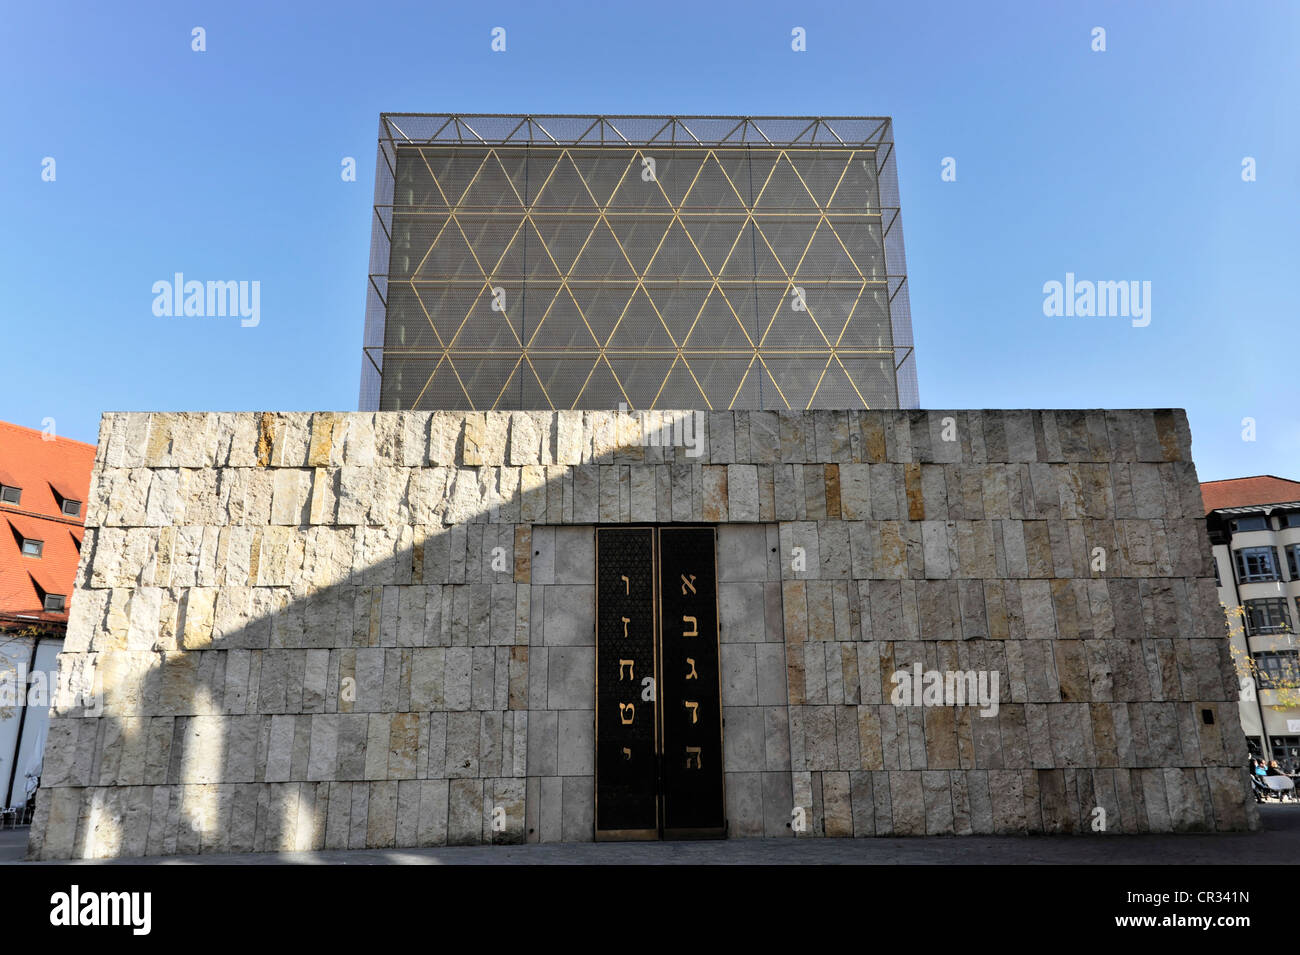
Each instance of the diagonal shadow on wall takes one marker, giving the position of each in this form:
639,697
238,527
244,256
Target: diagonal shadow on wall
320,630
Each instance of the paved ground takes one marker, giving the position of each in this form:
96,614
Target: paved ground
1279,840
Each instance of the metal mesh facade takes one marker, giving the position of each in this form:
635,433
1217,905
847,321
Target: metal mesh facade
533,262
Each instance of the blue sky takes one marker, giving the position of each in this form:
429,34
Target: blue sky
1116,165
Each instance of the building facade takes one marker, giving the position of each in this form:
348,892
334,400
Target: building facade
44,481
1254,528
562,262
639,535
418,628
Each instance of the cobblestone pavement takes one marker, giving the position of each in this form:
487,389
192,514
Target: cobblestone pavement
1279,839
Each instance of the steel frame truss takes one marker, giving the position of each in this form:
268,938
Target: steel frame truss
461,213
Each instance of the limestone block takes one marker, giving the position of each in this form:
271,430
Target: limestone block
527,432
576,742
776,738
569,677
862,803
1155,799
136,442
855,491
569,615
777,805
837,805
907,801
814,490
324,429
549,809
1232,809
600,434
714,487
473,450
742,553
720,441
741,612
741,486
507,798
744,793
290,496
1019,431
403,745
531,490
739,674
632,437
177,439
465,812
106,422
796,431
338,815
569,435
821,748
801,784
432,819
482,677
834,508
769,665
937,790
578,808
573,555
1146,440
833,552
787,500
765,437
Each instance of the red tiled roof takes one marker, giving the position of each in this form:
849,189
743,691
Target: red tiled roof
37,466
1249,492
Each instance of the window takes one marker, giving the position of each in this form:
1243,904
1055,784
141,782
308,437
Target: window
54,601
32,548
1279,668
1291,520
1250,524
1217,581
1256,564
72,508
1267,616
10,495
1286,750
1292,560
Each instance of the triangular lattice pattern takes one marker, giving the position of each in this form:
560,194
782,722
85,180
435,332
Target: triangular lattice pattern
535,272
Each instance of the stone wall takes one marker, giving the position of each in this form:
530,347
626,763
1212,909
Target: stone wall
352,630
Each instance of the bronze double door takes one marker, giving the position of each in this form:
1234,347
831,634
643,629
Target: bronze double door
658,689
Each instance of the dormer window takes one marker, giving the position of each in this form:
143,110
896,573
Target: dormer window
55,602
70,507
10,495
1258,523
32,548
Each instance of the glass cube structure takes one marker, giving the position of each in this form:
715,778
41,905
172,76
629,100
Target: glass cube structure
559,262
